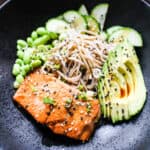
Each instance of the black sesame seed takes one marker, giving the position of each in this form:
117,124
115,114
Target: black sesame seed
48,113
45,85
26,106
70,113
65,122
54,92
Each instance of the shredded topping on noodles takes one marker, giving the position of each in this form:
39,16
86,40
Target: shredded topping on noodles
78,59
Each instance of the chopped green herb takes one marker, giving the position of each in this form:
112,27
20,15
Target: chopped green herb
68,103
56,66
48,100
80,87
88,107
33,89
82,96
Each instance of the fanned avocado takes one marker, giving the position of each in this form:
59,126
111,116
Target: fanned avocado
121,88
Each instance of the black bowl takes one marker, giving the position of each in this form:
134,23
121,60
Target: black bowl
17,129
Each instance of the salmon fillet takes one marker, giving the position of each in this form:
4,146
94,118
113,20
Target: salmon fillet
67,115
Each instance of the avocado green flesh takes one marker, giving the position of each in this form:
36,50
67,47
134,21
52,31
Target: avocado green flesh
121,89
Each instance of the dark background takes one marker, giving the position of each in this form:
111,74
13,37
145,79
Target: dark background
18,131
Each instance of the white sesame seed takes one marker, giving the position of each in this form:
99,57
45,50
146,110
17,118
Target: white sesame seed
69,129
75,129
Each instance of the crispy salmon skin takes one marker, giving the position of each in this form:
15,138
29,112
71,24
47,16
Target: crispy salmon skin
65,114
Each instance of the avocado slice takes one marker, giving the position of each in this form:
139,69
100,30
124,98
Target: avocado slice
121,88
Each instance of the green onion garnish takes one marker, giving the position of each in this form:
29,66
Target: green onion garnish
82,96
68,103
48,100
88,107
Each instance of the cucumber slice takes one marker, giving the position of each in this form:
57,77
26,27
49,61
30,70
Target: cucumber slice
99,12
104,35
113,29
83,10
75,19
127,34
92,24
57,25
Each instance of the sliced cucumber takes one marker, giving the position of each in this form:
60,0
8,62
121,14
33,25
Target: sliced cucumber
56,25
135,38
127,34
104,35
113,29
92,24
99,12
83,10
75,19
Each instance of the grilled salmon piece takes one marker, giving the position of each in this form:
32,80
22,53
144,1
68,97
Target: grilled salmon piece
65,114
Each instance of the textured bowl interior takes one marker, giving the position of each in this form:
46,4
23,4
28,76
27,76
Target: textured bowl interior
17,129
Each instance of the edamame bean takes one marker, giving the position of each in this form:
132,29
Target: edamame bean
19,47
23,72
20,54
30,41
42,48
53,35
55,42
16,84
19,78
21,43
49,46
34,35
41,40
27,56
26,68
41,31
19,62
16,69
36,63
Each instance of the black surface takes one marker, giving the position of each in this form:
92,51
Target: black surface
18,131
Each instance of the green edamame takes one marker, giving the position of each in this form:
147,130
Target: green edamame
16,69
49,47
19,78
21,43
34,35
41,31
20,54
36,63
19,62
30,41
53,35
27,56
16,84
23,72
19,47
42,48
26,68
41,40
